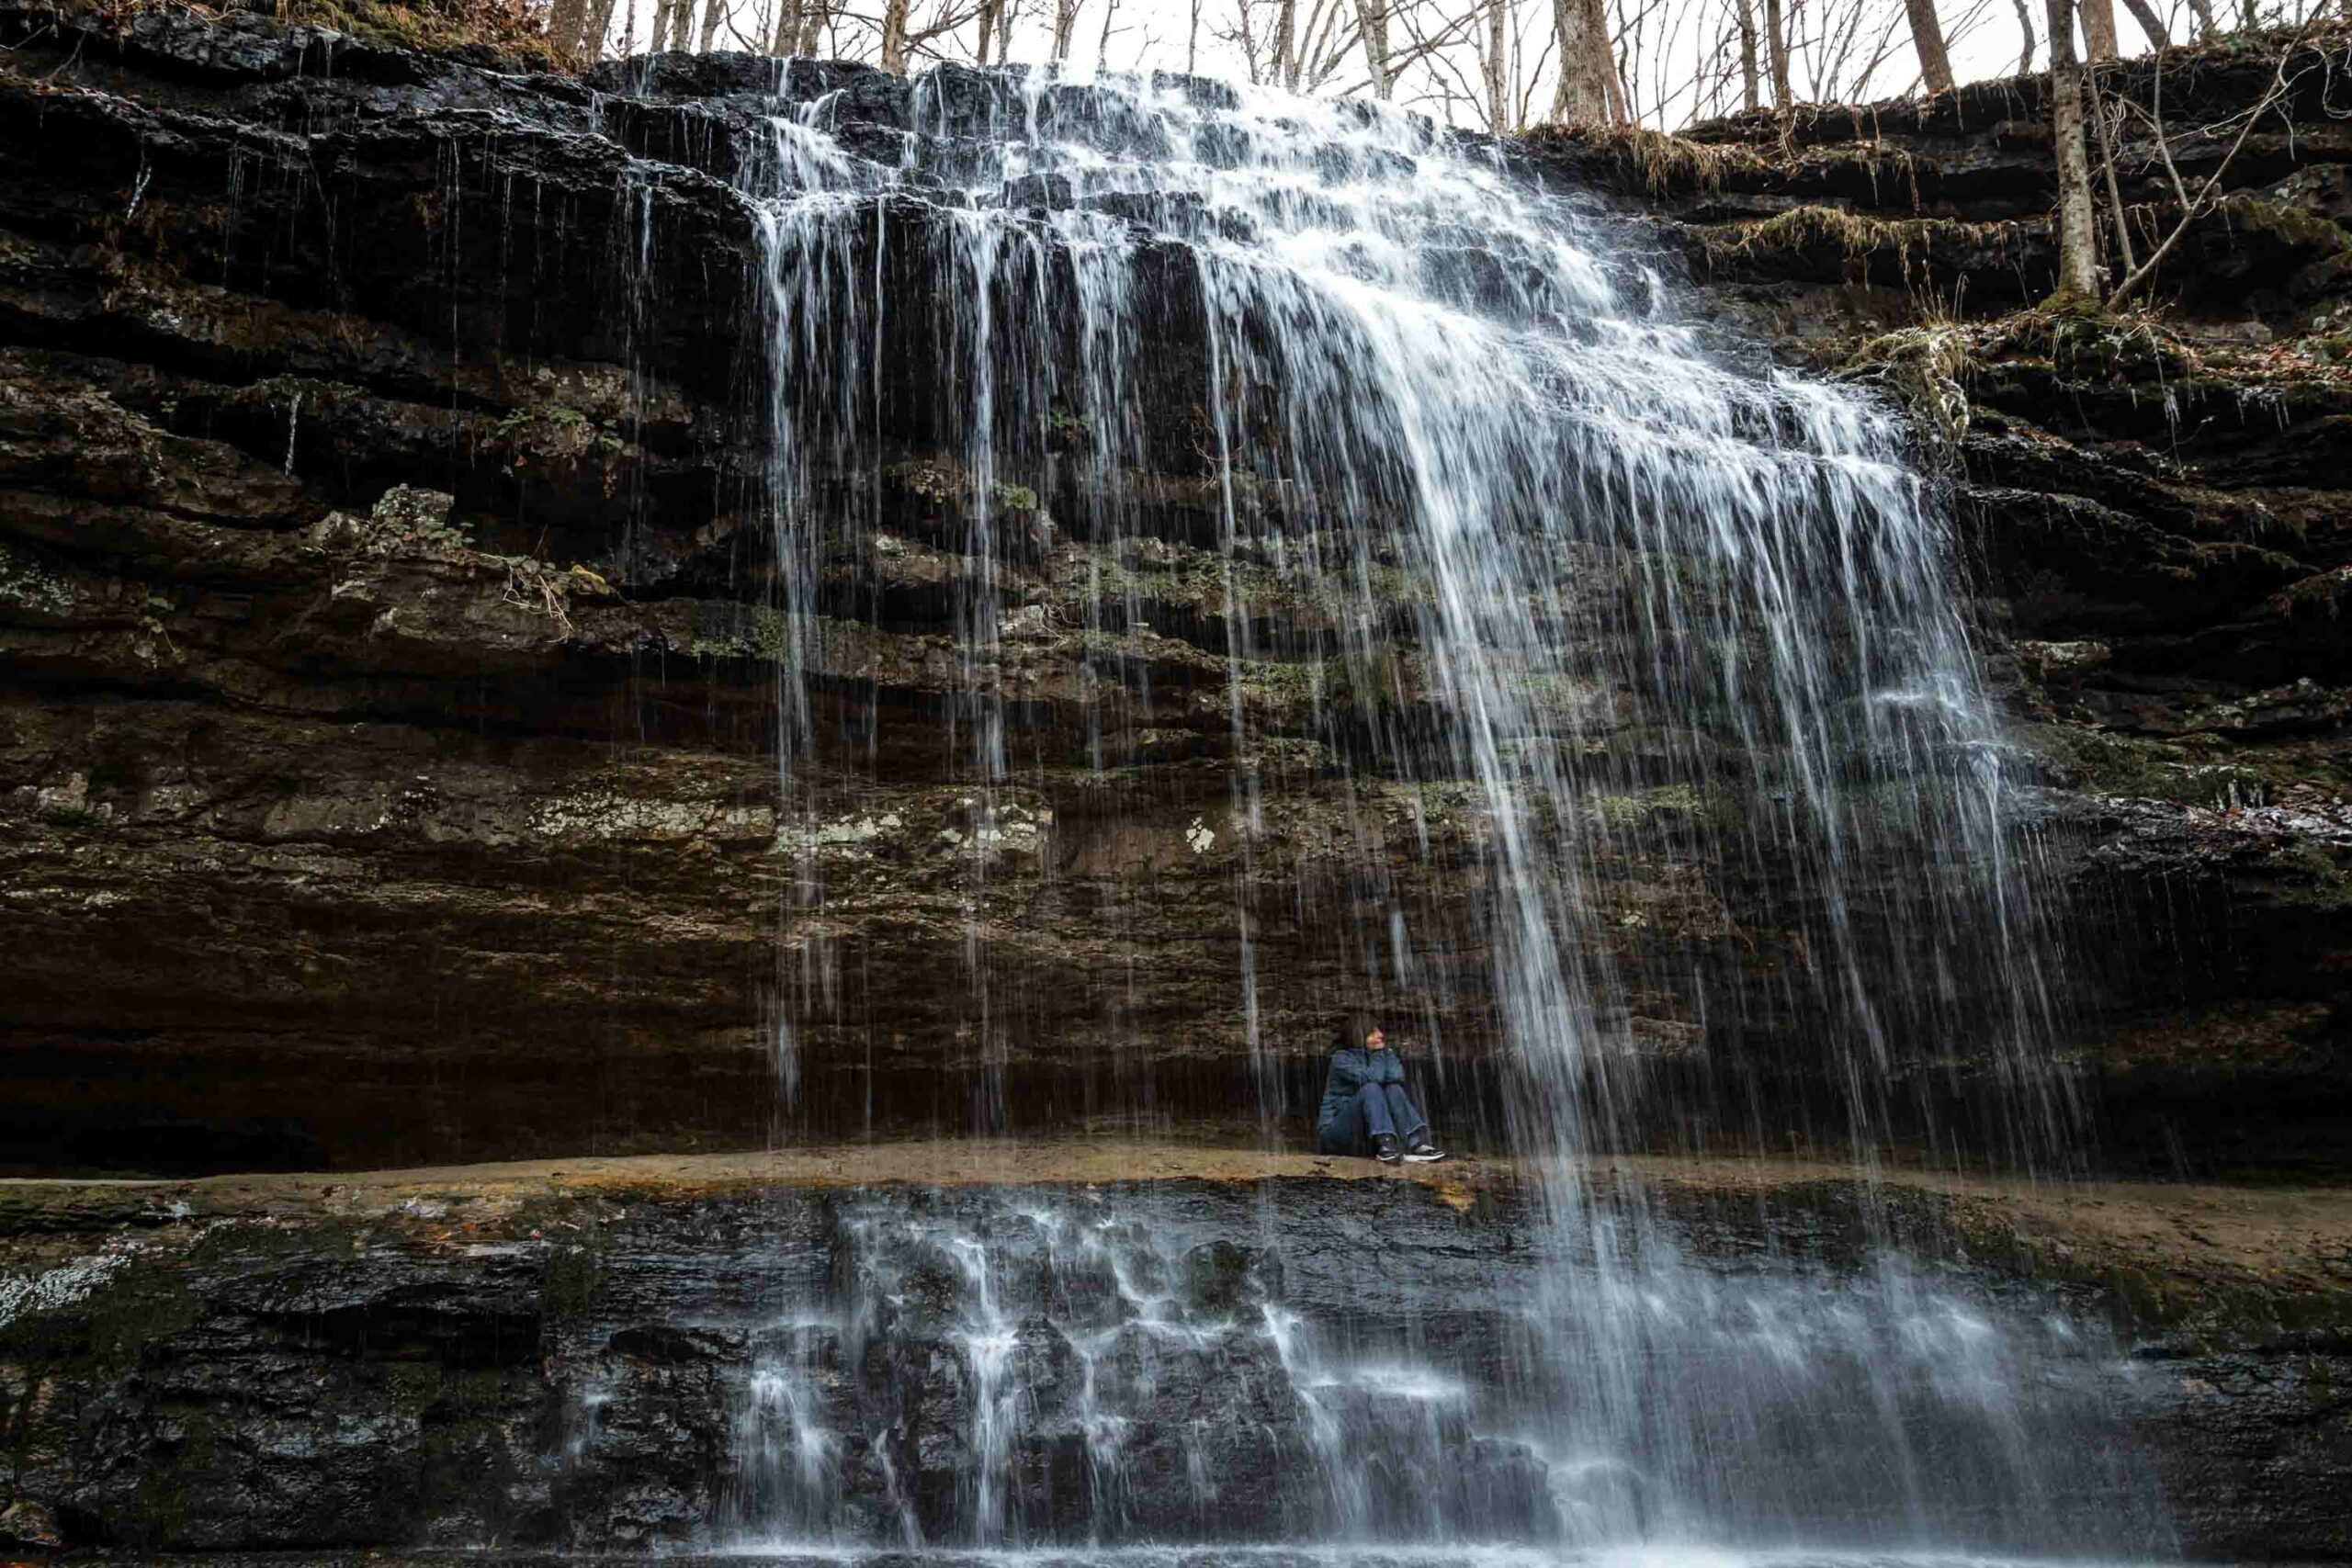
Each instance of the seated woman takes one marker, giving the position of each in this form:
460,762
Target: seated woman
1365,1108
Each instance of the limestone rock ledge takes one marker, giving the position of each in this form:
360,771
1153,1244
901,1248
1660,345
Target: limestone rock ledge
563,1354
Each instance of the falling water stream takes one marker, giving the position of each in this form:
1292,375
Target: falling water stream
1498,528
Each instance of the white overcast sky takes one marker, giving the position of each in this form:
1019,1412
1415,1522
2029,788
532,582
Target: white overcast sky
1982,35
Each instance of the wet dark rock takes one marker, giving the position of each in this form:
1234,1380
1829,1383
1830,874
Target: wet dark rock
2152,518
472,813
614,1370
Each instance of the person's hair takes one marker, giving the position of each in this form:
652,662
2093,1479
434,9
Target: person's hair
1353,1031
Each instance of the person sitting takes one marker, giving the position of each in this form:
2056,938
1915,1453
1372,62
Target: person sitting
1365,1109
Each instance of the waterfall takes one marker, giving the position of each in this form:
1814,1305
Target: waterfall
1660,640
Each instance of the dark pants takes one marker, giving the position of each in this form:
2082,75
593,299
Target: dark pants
1378,1108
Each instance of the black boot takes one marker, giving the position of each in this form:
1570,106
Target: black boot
1385,1149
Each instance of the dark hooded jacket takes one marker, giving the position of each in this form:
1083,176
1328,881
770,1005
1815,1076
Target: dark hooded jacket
1351,1068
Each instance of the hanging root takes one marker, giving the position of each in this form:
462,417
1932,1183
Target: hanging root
535,588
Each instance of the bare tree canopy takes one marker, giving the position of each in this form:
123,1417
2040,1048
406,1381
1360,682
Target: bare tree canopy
1500,65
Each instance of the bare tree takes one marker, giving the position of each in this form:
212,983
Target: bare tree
1371,27
1776,46
1750,92
1588,64
2078,280
2158,34
1310,49
1495,67
903,33
2098,29
1927,37
567,25
1064,24
895,25
2282,83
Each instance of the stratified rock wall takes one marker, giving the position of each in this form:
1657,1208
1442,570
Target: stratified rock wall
388,719
2152,512
631,1363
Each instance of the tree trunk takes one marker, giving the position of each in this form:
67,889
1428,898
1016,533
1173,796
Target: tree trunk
2025,27
660,38
2150,23
1192,42
1064,24
1612,79
1927,37
1286,63
1372,26
2203,11
785,38
2098,29
1498,64
566,20
2117,217
2078,280
989,10
894,36
1776,47
599,27
1587,65
1751,86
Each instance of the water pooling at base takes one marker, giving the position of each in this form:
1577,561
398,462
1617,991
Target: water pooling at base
1522,551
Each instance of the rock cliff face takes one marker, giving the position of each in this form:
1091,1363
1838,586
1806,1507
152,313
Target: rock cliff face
389,708
664,1354
2154,513
391,647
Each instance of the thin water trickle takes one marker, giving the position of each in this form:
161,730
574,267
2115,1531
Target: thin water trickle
1644,634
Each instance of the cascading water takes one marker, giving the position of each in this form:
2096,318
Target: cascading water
1643,631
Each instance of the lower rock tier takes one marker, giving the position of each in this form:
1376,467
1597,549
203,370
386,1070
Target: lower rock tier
1098,1344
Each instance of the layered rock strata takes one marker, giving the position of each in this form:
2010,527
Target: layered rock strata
393,654
2153,511
635,1353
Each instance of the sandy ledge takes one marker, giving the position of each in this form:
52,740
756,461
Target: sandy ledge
2188,1241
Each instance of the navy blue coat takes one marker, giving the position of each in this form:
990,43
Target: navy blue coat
1351,1071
